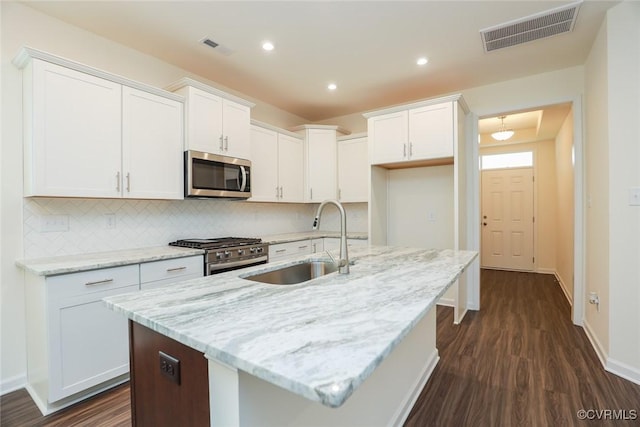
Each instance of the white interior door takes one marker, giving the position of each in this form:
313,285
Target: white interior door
507,219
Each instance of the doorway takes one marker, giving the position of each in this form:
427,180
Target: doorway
549,133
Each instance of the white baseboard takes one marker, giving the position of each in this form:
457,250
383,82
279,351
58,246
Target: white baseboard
595,343
447,302
12,384
623,370
545,271
563,286
412,397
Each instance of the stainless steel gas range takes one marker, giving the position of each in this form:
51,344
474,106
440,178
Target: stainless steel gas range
228,253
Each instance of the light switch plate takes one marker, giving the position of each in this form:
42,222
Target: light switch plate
634,196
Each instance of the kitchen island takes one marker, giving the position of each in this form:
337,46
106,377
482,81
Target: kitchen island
294,354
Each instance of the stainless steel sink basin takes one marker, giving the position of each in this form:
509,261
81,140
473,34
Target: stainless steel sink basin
297,273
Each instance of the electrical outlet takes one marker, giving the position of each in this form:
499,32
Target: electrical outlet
169,367
110,221
51,223
431,216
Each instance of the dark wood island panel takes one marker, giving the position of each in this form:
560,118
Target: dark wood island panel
169,381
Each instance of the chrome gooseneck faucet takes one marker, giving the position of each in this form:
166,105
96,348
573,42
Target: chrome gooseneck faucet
343,263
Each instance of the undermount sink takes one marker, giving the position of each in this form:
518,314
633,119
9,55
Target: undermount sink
293,274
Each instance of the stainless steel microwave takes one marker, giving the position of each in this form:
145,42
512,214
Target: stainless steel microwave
212,175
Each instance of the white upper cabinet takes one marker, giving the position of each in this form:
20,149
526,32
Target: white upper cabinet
91,134
290,168
151,146
431,132
276,166
72,128
388,135
414,133
353,169
216,122
320,162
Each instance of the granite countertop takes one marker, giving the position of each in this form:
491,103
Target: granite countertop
91,261
319,339
304,235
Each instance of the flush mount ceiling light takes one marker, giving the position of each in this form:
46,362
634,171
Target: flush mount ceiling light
422,61
503,134
268,46
332,86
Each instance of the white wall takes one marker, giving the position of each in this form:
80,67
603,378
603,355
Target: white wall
139,223
565,206
623,51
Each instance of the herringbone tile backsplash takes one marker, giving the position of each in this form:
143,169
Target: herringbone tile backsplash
142,223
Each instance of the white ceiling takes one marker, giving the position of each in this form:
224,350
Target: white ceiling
368,48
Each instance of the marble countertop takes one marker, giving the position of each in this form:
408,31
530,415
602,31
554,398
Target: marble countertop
319,339
304,235
91,261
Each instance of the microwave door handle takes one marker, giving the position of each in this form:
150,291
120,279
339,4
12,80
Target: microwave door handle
243,173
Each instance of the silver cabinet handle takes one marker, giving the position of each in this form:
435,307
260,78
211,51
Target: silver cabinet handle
277,192
128,182
404,150
170,270
221,143
99,282
279,251
226,143
339,193
281,196
118,181
410,149
303,247
311,193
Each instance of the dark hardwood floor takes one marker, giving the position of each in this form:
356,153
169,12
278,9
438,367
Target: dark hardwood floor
520,361
517,362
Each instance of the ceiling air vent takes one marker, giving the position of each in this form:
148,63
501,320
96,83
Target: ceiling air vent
541,25
217,46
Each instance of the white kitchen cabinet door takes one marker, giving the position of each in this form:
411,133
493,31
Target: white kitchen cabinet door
321,165
290,168
72,130
431,132
87,342
236,129
264,165
152,141
353,170
388,137
159,273
204,121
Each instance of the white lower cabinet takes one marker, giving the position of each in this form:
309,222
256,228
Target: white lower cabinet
76,346
159,273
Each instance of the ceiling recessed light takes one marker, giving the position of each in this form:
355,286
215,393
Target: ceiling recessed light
422,61
268,46
332,86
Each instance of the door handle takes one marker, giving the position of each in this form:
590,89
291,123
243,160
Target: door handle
484,223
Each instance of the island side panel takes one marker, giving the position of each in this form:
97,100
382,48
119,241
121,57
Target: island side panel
383,399
158,399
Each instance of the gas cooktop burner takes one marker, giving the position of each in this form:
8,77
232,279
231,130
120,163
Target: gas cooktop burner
215,243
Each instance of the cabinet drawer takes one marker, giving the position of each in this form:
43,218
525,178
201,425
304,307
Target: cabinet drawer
87,282
175,269
289,249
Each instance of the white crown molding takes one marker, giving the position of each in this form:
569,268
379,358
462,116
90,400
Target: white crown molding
431,101
275,129
26,54
323,127
186,81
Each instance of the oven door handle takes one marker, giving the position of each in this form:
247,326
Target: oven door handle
222,266
243,172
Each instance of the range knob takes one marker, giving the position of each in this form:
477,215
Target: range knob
240,251
260,250
218,255
252,250
227,254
